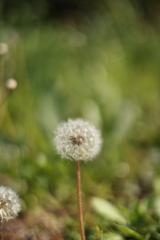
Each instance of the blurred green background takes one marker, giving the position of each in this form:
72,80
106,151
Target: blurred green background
98,60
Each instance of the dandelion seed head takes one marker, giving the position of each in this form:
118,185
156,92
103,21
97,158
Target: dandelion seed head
77,140
9,204
3,49
11,84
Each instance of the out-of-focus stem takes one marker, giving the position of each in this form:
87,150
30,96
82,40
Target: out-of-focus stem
4,97
80,210
1,77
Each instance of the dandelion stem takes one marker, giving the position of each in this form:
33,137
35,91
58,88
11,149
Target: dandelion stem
1,77
80,211
5,97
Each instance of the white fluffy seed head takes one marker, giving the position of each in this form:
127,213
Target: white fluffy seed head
77,140
9,204
3,49
11,84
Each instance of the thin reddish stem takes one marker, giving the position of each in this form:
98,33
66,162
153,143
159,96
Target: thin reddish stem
80,210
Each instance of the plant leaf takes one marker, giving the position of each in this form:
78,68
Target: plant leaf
107,210
129,232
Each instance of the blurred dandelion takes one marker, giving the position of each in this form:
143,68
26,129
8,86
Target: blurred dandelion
78,140
9,205
3,49
11,84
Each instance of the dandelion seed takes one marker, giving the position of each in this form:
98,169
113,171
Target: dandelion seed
77,140
9,204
